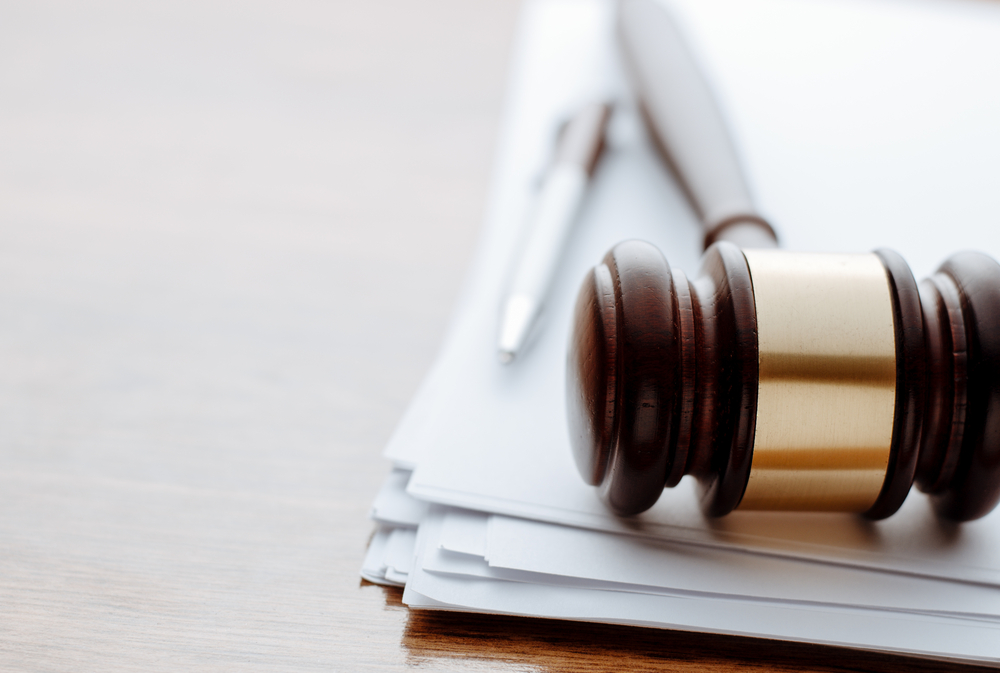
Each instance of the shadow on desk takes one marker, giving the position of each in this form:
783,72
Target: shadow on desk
555,646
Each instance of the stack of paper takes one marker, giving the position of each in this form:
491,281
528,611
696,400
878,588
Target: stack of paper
862,125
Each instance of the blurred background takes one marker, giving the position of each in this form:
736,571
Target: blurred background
230,238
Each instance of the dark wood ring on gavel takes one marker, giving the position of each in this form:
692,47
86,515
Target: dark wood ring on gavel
788,381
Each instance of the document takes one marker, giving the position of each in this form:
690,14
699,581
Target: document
862,124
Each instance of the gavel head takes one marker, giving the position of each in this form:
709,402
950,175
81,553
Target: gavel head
788,381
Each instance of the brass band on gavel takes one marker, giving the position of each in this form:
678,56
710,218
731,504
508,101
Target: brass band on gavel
827,387
788,381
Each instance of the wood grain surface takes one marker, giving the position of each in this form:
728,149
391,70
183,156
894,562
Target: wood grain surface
230,238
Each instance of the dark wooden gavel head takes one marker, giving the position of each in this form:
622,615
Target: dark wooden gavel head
788,381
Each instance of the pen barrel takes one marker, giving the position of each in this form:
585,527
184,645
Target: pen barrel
582,138
549,225
688,126
578,149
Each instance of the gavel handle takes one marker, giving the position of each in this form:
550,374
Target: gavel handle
687,124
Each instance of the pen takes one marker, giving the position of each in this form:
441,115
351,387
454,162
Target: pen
554,210
688,125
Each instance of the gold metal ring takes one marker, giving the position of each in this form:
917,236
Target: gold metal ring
827,388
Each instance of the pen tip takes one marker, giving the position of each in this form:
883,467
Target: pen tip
518,314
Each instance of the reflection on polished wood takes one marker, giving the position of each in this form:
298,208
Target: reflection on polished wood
497,642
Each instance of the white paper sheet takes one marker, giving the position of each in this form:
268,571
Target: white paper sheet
921,635
464,532
535,547
393,506
374,567
646,565
499,547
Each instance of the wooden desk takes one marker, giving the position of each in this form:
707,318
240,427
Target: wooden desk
230,238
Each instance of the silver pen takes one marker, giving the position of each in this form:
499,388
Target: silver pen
563,188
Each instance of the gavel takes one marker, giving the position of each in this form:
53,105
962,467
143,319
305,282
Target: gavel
779,380
788,381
